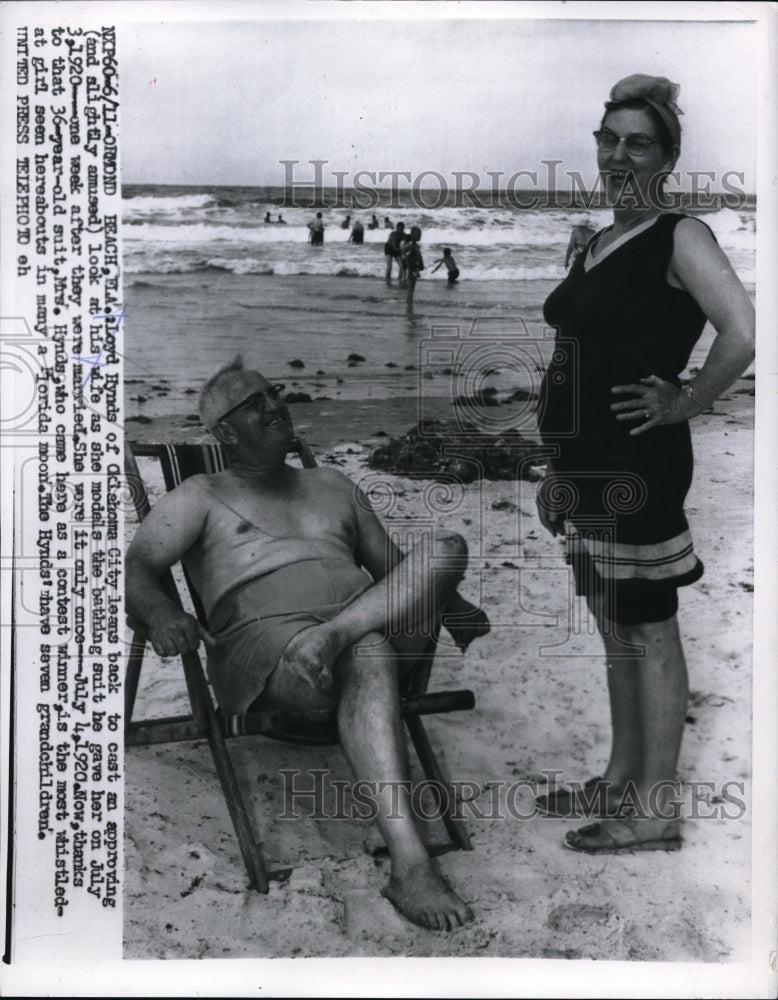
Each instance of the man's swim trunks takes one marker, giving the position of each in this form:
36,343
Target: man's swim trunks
253,624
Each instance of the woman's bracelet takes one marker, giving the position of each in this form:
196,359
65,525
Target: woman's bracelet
688,390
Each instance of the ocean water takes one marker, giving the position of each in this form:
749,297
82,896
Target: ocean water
179,231
206,278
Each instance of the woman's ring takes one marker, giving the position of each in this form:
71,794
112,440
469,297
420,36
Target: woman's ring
648,415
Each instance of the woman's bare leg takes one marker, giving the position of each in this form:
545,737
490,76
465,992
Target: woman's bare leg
653,700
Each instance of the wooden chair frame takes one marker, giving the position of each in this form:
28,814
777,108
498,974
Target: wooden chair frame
206,721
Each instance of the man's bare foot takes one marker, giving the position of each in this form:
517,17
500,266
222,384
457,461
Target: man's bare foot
465,622
425,898
311,655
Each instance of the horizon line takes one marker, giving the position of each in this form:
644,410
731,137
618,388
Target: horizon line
306,188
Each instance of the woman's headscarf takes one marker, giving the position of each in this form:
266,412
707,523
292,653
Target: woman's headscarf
658,92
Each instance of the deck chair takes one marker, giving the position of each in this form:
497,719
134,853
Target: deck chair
207,721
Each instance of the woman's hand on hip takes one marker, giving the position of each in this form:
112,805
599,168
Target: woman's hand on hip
654,403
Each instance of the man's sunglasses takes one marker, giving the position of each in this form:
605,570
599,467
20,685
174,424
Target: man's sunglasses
634,143
255,401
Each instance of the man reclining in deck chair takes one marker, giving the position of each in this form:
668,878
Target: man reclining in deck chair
275,554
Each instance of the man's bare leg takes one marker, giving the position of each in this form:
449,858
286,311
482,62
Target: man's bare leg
370,732
371,735
409,600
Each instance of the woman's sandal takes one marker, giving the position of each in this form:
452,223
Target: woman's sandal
597,797
598,839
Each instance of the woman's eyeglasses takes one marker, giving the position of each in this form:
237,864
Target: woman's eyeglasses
256,400
634,143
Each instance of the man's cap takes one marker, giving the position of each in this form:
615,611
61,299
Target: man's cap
226,393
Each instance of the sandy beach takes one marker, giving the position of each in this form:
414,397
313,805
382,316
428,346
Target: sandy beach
541,704
328,326
453,221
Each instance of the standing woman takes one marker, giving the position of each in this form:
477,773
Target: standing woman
617,417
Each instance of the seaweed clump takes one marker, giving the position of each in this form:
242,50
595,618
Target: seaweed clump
444,449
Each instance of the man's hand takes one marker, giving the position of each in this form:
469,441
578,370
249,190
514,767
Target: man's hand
174,632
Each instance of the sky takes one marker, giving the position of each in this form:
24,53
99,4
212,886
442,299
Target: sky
224,101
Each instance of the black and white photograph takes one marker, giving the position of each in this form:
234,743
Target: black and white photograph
411,587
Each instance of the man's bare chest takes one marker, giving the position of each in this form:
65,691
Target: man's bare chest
305,509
